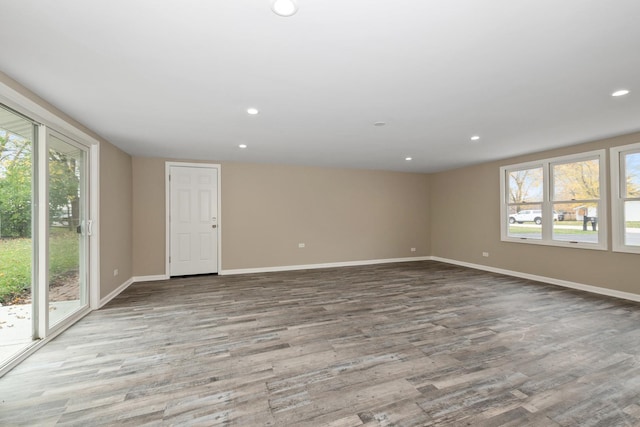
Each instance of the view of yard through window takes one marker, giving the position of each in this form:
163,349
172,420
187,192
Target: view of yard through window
16,247
15,214
631,198
15,264
571,203
58,232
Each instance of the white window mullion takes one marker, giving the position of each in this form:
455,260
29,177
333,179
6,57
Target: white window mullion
547,206
41,319
617,200
602,204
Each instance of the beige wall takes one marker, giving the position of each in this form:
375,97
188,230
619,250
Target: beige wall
148,217
465,221
340,215
116,226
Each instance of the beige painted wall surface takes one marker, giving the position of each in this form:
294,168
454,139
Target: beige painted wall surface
465,221
148,217
116,204
340,215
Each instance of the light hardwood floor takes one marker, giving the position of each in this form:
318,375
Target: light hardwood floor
409,344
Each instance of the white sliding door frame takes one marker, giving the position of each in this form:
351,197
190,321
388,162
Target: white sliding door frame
47,119
44,228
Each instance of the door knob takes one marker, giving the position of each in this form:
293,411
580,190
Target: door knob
213,226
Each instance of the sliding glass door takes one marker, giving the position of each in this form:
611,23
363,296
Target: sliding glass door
17,142
45,231
69,228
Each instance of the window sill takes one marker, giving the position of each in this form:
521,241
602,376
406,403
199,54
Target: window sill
557,243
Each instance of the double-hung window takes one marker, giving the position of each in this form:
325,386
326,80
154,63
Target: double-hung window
558,201
524,198
625,198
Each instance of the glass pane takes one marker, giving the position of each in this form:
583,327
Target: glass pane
525,186
525,221
575,222
632,172
632,223
16,245
66,229
576,180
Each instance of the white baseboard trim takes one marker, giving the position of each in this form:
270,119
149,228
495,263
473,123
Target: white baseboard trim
550,280
316,266
115,293
564,283
128,283
153,278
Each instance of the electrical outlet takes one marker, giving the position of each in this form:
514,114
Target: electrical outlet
115,272
413,249
301,245
485,254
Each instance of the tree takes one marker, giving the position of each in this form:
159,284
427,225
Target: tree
632,171
64,183
15,185
577,180
16,189
525,186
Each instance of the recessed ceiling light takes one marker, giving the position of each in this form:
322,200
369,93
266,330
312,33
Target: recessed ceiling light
252,111
379,124
621,92
242,146
284,7
475,138
408,159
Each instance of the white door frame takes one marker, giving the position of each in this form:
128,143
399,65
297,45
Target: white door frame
167,188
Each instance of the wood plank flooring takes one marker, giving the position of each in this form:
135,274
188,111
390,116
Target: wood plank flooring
407,344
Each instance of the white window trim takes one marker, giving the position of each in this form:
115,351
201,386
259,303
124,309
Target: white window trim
547,202
617,201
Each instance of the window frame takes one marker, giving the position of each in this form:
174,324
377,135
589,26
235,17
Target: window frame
618,173
547,203
527,205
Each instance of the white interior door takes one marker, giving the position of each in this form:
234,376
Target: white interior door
193,220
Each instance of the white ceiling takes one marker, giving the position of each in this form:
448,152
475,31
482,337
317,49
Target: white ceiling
174,78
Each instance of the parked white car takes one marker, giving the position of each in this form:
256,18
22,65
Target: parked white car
529,215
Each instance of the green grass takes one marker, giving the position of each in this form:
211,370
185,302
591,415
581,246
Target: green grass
15,262
514,229
578,223
629,224
64,247
15,268
568,222
574,231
